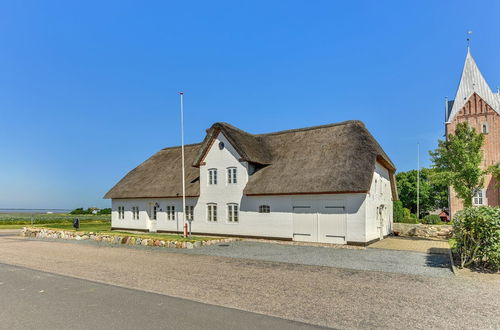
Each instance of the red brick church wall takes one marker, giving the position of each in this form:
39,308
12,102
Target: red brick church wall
476,113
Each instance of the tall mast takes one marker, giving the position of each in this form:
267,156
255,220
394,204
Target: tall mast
181,94
418,180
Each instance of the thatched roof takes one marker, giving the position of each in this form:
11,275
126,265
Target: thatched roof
335,158
323,159
250,147
160,176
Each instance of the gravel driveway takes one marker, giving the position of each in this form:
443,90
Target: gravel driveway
403,262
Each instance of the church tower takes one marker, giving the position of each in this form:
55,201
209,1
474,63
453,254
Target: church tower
476,104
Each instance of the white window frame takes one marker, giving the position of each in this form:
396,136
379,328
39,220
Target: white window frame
135,212
121,212
212,212
212,176
154,213
479,197
189,212
232,177
170,212
233,213
485,128
264,208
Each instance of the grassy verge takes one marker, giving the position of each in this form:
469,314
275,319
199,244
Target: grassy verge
13,219
88,223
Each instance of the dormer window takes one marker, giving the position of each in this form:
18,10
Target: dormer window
212,176
231,175
484,128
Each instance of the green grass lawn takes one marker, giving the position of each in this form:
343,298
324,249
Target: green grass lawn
9,219
88,223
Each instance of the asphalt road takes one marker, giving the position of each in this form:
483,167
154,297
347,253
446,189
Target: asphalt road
38,300
322,295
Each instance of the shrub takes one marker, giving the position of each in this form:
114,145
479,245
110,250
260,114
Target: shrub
408,220
407,213
398,211
79,210
104,211
477,233
431,219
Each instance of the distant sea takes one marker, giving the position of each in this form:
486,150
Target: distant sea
34,211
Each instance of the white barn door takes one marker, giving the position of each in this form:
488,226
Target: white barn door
332,226
305,222
321,221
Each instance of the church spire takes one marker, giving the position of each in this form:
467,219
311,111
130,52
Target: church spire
472,81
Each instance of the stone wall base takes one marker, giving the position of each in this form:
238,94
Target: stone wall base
117,239
421,230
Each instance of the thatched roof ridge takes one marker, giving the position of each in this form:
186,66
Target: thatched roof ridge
160,176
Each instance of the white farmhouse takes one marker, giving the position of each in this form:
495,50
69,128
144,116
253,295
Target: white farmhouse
331,184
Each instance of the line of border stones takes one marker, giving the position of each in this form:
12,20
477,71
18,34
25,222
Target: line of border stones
117,239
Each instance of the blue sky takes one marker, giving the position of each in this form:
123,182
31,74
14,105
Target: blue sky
88,89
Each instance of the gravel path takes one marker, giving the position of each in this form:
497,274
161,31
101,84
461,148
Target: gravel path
339,298
404,262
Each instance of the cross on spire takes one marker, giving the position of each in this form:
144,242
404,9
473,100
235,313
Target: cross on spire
469,37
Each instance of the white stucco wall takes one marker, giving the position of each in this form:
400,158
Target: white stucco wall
380,194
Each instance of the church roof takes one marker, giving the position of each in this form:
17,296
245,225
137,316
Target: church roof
334,158
472,81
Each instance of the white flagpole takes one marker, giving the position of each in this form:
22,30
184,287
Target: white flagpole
183,171
418,180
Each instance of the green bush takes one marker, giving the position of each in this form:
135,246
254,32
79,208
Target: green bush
398,211
477,233
408,220
431,219
104,211
407,213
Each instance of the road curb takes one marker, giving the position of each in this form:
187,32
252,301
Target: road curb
452,263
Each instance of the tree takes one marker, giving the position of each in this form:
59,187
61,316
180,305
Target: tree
432,195
457,162
494,170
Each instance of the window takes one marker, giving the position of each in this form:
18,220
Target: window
212,212
232,212
170,212
264,209
135,212
478,198
155,212
189,212
121,212
231,175
484,129
212,176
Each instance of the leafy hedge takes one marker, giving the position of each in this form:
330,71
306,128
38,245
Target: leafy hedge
407,220
477,234
431,219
